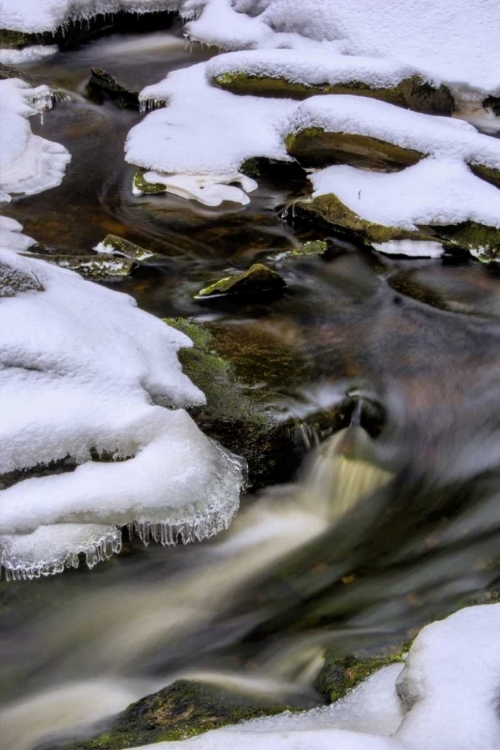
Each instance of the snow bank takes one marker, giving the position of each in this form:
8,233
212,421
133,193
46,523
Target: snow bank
38,16
449,685
28,164
11,236
450,41
205,133
435,192
84,378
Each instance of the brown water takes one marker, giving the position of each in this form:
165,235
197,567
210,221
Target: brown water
422,338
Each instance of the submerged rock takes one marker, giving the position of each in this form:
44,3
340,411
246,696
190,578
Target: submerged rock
257,280
412,93
177,712
104,85
316,147
242,372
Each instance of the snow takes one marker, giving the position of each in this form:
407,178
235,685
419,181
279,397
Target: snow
11,236
28,164
450,41
434,192
311,67
411,248
84,372
450,685
37,16
205,133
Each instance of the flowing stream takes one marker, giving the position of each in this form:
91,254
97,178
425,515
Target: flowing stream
378,534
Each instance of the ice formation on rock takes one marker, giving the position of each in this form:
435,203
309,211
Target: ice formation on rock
28,164
87,443
38,16
448,700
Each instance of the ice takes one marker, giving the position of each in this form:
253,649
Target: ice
208,190
28,164
38,16
85,377
450,41
448,692
411,248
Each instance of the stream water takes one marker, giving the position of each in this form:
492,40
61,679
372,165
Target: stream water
348,555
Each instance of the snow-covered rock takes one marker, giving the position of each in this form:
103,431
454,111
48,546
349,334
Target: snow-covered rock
449,689
87,443
28,164
450,41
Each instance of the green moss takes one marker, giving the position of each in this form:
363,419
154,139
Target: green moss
329,211
314,247
482,241
182,710
126,248
318,147
147,188
413,93
243,371
340,675
258,279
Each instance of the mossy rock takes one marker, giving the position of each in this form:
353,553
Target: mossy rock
313,247
340,675
103,85
413,93
240,370
95,267
143,187
489,174
259,279
315,147
330,212
127,249
481,241
15,39
177,712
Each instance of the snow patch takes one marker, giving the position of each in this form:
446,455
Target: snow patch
411,248
28,164
84,377
34,53
11,236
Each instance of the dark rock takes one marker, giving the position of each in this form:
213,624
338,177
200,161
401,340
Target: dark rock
258,280
492,103
103,85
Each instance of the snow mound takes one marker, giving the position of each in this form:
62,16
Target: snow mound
28,164
450,41
87,443
11,236
38,16
436,192
30,54
311,67
448,692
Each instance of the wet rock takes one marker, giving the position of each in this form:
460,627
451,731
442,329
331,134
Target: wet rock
103,85
140,186
341,674
411,93
177,712
95,267
314,247
492,103
118,246
315,147
243,371
257,280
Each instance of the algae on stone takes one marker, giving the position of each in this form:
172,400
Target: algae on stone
258,279
316,147
412,93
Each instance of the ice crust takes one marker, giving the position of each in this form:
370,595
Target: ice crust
449,688
450,41
85,377
28,164
38,16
